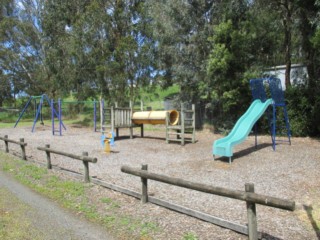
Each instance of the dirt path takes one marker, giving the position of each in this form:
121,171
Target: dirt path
49,219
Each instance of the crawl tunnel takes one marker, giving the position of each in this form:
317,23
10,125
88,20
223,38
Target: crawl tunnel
155,117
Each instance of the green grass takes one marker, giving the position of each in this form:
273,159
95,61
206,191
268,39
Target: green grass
82,120
155,99
75,196
7,117
190,236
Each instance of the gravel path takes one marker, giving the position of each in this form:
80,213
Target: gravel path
49,219
290,172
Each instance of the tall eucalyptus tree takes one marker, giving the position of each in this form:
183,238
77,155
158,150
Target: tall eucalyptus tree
99,47
6,8
23,47
181,29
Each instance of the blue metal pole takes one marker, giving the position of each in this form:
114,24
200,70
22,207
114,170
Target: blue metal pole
60,117
274,122
287,123
37,114
23,111
52,115
57,115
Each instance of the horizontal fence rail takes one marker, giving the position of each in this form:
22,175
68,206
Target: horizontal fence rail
84,158
248,196
21,143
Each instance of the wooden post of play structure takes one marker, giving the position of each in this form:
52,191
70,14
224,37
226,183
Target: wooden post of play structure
182,124
193,123
131,112
101,114
167,127
141,128
112,120
115,119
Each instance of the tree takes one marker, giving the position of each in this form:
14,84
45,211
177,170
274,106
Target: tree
100,47
230,58
131,61
22,48
181,30
309,30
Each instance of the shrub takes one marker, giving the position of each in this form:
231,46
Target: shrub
303,110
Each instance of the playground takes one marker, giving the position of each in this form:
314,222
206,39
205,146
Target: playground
290,172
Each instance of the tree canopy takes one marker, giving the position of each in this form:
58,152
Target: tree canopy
112,49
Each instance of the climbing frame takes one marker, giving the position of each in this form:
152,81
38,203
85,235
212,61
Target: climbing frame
185,129
114,118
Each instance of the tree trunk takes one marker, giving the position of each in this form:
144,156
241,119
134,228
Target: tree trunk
287,23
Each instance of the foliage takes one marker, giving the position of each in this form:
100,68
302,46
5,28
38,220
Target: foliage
114,49
228,62
155,99
109,54
181,29
303,114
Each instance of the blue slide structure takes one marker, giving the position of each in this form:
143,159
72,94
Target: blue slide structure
224,146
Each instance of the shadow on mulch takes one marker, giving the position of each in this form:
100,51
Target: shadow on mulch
313,222
266,236
245,152
187,140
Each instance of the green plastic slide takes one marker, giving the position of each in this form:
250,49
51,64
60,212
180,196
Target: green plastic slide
224,146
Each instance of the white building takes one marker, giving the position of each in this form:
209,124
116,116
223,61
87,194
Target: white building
297,76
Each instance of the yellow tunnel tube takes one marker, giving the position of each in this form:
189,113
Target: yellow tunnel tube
155,117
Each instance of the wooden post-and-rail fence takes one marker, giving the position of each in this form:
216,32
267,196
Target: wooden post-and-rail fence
248,196
21,143
84,158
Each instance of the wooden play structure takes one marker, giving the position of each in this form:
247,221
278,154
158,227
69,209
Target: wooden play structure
179,125
185,129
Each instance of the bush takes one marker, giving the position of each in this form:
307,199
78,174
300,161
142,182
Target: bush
304,111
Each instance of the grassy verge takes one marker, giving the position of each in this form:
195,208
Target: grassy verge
74,195
13,221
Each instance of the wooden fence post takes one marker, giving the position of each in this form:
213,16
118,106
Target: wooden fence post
6,142
144,195
251,214
49,165
86,168
23,149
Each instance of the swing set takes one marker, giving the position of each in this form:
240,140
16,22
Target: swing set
55,114
38,109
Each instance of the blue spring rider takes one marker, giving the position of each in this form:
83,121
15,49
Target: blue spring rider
107,141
